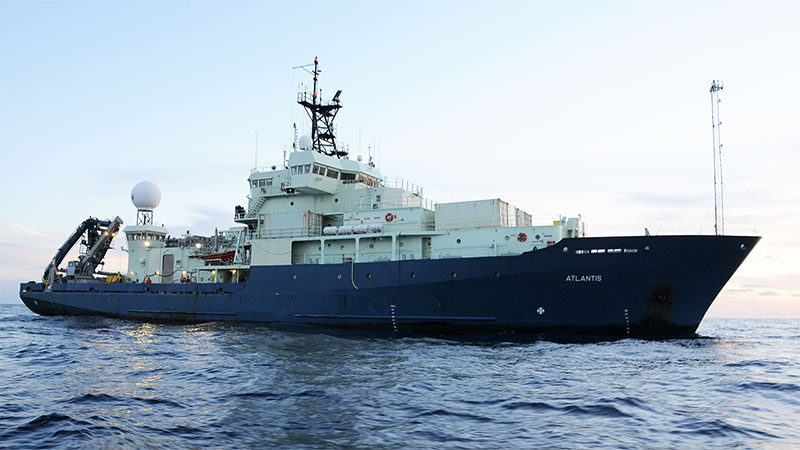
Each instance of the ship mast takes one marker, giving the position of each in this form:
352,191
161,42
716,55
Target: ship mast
719,209
322,114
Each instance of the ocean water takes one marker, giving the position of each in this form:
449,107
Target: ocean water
83,382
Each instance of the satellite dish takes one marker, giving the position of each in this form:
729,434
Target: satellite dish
305,142
146,196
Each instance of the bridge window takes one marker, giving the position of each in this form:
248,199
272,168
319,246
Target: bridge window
269,181
333,173
262,182
307,168
254,183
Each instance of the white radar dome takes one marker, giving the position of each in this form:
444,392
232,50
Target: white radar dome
305,142
146,196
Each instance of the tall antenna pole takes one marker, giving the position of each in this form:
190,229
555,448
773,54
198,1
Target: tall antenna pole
719,210
314,100
256,162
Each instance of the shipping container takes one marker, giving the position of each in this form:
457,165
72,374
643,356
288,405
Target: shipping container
472,214
523,218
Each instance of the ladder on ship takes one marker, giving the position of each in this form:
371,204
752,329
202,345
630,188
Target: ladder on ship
254,209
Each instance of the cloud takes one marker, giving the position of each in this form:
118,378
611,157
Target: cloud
25,230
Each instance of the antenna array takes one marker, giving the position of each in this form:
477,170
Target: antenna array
716,123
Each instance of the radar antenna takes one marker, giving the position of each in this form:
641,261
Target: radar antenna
322,114
716,123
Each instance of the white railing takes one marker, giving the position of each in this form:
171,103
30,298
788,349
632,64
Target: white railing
402,184
278,166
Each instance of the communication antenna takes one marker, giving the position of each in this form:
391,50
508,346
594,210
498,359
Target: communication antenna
322,114
716,123
256,166
294,137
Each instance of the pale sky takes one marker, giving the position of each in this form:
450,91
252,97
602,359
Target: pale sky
593,108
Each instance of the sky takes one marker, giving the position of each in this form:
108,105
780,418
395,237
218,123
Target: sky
560,108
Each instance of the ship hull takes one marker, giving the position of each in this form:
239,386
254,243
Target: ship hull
619,286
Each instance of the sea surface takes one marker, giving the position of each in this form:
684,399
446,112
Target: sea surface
84,382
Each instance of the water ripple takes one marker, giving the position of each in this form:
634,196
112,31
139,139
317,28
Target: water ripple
84,382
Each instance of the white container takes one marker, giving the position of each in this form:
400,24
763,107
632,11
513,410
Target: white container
345,229
360,228
472,214
523,218
329,231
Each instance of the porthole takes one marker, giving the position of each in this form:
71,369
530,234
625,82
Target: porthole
371,245
453,275
646,247
537,237
401,244
497,274
329,244
338,276
294,277
342,248
291,203
336,200
412,275
369,276
565,250
508,238
458,241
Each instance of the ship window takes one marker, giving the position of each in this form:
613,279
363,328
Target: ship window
316,169
369,276
333,173
631,250
346,176
269,181
254,183
307,168
262,183
322,170
294,170
378,198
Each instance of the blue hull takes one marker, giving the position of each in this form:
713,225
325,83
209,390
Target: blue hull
653,285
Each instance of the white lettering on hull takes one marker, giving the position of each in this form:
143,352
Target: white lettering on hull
583,278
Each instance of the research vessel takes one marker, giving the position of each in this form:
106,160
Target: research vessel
329,241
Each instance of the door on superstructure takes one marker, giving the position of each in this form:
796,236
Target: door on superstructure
167,268
426,248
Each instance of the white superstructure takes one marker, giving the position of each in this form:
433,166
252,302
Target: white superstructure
320,207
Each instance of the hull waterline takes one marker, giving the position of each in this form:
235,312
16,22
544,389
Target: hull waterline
636,286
